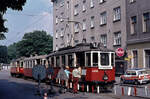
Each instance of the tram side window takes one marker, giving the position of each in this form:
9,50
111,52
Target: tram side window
21,64
70,60
44,62
33,63
104,59
88,59
63,60
95,59
112,59
52,60
57,62
17,63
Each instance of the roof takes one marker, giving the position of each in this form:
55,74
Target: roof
35,57
82,47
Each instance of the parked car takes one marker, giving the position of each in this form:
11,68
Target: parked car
135,76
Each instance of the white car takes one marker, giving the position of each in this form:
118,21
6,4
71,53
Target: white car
135,76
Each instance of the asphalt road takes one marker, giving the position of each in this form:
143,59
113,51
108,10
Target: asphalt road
18,88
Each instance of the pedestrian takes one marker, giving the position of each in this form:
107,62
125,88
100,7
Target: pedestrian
76,73
50,74
62,77
67,73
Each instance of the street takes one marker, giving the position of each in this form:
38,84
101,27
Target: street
18,88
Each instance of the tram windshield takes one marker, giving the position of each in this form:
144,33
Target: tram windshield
104,59
88,59
95,59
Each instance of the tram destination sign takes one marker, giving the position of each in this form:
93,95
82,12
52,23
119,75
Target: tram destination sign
120,52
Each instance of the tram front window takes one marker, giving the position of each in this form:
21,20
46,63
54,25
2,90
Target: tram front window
104,59
112,59
88,59
95,59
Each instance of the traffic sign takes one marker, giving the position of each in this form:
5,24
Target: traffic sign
120,52
39,72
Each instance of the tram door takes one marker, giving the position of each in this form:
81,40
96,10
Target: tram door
80,59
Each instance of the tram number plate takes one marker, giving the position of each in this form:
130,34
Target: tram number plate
94,71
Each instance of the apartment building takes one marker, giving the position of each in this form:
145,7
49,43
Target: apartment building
138,33
77,21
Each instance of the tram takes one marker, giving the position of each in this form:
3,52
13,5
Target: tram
96,61
17,67
23,66
30,62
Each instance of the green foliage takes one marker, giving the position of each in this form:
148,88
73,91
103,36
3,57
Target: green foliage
4,5
3,54
12,52
37,42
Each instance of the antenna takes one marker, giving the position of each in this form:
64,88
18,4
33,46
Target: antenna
72,36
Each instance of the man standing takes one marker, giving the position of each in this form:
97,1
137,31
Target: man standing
62,77
76,73
67,74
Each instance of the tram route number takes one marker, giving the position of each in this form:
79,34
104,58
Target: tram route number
94,71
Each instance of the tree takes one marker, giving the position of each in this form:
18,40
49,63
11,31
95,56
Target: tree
12,51
37,42
4,5
3,54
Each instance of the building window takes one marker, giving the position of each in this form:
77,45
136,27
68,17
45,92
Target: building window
56,20
92,22
61,32
83,7
91,4
135,59
147,58
84,25
67,39
104,40
76,41
103,18
133,22
92,39
56,48
61,19
56,34
76,27
117,38
132,1
146,22
101,1
76,10
61,4
117,14
67,4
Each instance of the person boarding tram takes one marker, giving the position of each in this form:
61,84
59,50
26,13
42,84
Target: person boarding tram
76,73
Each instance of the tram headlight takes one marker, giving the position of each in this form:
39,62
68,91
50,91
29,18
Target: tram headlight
105,77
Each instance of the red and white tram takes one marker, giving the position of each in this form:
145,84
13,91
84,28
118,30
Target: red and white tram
30,62
23,66
97,63
17,67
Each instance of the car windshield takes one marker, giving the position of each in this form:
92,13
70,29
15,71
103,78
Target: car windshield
142,72
130,73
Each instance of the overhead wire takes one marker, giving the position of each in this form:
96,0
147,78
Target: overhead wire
18,33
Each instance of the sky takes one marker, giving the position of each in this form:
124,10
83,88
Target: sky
36,15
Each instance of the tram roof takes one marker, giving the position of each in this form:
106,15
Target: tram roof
36,57
82,47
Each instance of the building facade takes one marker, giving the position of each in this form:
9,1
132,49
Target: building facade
138,33
77,21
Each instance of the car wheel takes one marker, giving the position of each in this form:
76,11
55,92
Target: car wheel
121,81
136,82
